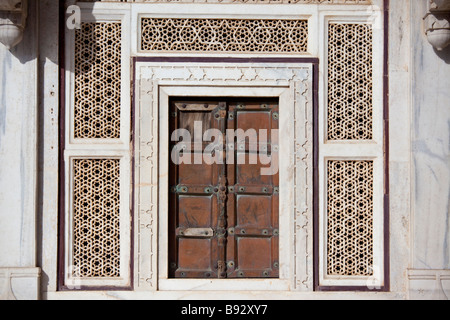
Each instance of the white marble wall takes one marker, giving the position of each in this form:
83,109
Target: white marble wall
400,142
430,89
431,154
18,156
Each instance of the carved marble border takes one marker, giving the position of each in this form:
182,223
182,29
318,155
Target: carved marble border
303,170
146,176
297,78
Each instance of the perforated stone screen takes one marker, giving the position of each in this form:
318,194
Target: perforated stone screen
350,218
224,35
99,77
350,80
97,81
96,227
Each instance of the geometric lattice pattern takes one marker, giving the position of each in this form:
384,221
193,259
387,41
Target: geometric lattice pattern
350,105
350,218
97,81
224,35
96,228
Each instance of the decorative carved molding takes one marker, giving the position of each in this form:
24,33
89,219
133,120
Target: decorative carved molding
303,185
146,176
13,17
150,76
437,25
439,5
204,73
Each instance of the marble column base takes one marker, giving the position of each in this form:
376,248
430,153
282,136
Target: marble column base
19,283
429,284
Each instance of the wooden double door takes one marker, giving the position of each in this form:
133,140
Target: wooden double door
223,211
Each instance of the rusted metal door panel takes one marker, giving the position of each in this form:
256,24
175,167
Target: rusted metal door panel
224,218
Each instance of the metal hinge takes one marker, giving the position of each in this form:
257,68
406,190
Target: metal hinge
195,232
